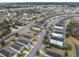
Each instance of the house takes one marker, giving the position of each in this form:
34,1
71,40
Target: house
58,27
9,39
58,30
24,41
7,52
28,37
38,27
57,41
17,47
58,34
50,53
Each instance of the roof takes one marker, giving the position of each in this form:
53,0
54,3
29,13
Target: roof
59,32
58,27
61,23
57,35
53,54
7,52
38,25
42,21
59,39
24,42
25,37
17,46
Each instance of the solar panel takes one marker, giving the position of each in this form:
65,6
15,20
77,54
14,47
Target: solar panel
58,32
16,46
25,37
60,24
39,25
59,39
6,53
23,41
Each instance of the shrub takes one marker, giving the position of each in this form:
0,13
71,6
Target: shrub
66,53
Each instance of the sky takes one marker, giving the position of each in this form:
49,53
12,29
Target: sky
39,1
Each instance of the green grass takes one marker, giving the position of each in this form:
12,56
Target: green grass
21,55
27,49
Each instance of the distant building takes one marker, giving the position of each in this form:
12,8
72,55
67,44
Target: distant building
40,25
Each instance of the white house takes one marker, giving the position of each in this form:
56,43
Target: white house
36,28
57,35
56,42
59,27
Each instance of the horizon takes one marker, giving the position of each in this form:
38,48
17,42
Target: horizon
45,3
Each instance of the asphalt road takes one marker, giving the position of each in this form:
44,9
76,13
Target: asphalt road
25,28
38,45
22,29
41,39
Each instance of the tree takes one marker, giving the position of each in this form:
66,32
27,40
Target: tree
67,34
36,21
17,34
73,28
3,43
69,47
66,53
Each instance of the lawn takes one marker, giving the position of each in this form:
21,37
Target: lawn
21,55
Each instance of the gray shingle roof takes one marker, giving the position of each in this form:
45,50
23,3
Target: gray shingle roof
7,52
17,46
58,39
23,41
53,54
